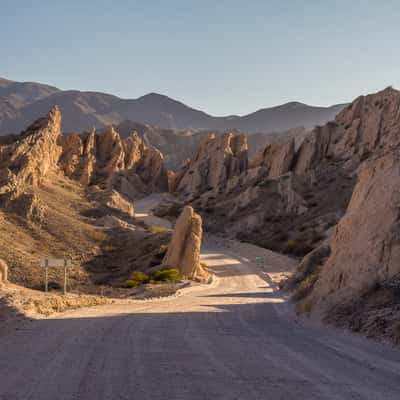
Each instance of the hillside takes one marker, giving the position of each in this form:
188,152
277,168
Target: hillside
72,196
20,103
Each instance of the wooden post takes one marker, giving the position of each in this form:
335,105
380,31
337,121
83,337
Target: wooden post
65,276
46,277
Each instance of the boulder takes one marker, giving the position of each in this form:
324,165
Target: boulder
184,249
113,200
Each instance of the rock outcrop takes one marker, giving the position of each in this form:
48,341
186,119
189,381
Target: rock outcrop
112,201
287,194
122,168
314,149
126,165
365,249
276,158
3,271
184,249
219,158
72,196
26,161
352,280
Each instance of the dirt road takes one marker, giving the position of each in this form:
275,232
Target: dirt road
230,340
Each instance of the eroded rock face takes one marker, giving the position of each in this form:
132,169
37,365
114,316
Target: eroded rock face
370,123
35,151
286,195
365,248
368,126
314,149
126,165
184,249
277,158
219,158
26,161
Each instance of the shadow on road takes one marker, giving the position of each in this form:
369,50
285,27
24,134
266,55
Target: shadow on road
207,351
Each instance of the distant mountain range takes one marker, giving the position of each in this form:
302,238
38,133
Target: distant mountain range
23,102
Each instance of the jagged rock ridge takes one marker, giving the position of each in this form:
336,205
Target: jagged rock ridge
71,196
25,162
126,165
292,200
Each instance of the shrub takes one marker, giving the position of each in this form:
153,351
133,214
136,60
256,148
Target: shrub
157,229
97,236
138,278
167,274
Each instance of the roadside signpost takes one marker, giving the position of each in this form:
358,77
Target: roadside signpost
46,263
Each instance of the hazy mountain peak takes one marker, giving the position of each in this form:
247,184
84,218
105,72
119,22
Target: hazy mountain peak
23,102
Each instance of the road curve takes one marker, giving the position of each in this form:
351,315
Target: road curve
232,339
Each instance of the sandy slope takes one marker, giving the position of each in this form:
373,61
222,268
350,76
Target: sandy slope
230,340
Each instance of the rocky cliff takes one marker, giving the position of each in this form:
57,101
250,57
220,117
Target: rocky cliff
334,199
286,198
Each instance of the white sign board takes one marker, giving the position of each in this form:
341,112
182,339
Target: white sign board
55,262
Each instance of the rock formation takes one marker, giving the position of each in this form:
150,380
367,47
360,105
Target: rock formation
112,200
184,249
3,271
352,279
26,161
277,158
219,158
123,169
335,200
365,248
126,165
72,195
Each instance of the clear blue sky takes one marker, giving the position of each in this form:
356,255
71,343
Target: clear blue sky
224,56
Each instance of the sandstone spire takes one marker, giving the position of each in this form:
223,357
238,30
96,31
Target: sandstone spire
184,249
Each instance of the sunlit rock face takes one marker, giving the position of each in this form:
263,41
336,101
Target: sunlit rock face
218,158
184,249
26,161
126,165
